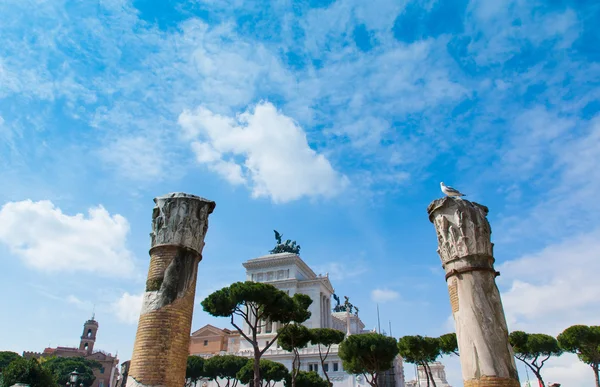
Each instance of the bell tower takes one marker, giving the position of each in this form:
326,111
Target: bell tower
88,338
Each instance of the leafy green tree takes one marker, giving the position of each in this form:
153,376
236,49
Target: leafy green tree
194,370
324,338
274,372
308,379
292,338
584,341
61,367
368,354
257,303
29,372
270,371
224,367
448,344
421,351
534,349
7,357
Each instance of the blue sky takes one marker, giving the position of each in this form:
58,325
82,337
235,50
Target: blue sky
330,121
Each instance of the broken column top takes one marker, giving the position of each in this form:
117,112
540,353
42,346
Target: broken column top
180,219
459,204
183,195
462,228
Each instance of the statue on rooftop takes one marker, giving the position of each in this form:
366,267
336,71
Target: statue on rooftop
288,246
346,307
337,307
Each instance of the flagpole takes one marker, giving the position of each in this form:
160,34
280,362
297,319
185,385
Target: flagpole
378,322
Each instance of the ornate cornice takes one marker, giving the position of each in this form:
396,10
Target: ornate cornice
462,229
283,282
318,280
180,219
273,260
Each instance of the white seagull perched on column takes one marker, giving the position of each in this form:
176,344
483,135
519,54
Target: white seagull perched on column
449,191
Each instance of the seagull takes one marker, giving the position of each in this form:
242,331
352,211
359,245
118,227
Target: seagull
449,191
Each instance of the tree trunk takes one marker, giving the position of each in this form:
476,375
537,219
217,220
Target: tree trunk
323,364
295,367
428,370
426,373
256,367
596,376
374,381
538,375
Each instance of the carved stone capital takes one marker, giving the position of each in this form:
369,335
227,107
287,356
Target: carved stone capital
180,219
463,231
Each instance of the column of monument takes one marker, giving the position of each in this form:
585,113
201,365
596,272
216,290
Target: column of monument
179,225
466,251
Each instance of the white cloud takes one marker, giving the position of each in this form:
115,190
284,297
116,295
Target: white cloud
554,288
127,308
568,371
384,295
48,240
263,148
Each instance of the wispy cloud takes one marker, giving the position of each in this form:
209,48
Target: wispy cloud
82,305
568,182
340,271
384,295
353,103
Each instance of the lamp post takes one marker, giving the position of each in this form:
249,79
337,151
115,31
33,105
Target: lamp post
73,378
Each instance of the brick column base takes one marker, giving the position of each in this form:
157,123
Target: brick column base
492,381
162,342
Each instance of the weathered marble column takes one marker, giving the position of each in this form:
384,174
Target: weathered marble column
179,225
465,247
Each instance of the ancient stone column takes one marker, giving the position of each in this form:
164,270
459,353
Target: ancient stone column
466,250
179,225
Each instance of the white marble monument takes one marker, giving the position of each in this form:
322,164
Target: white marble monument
438,372
290,273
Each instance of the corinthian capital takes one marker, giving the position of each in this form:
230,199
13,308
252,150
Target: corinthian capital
180,219
462,229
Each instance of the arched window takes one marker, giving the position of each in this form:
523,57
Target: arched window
89,334
85,346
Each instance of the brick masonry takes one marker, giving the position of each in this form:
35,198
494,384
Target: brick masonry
162,341
492,381
160,258
453,290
